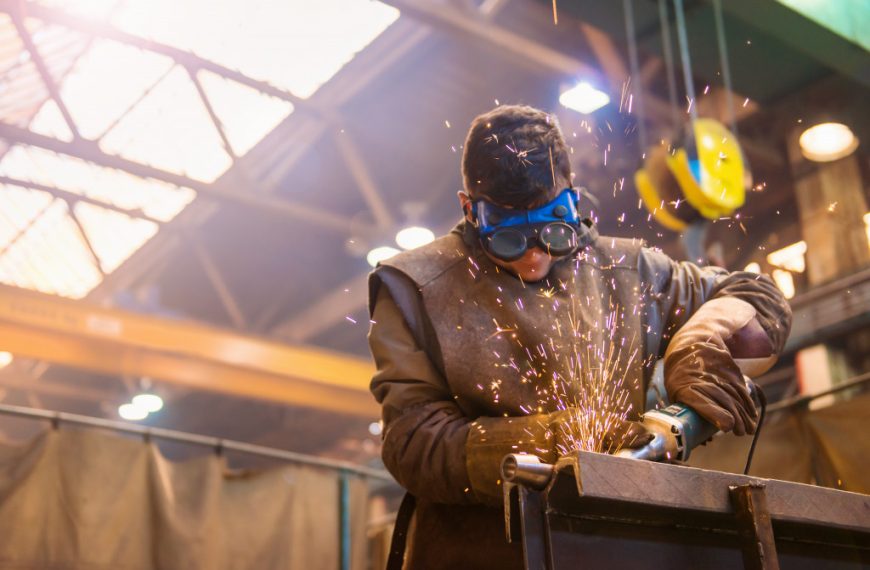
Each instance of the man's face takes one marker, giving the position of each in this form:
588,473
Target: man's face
533,266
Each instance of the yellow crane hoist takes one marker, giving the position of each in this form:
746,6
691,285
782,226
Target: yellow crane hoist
706,178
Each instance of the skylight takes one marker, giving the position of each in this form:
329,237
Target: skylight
46,247
152,109
297,45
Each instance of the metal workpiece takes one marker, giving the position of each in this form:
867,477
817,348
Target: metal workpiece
603,511
528,470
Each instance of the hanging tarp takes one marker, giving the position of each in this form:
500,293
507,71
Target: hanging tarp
839,434
828,447
84,499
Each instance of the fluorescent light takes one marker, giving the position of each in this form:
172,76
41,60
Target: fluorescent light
5,358
827,142
584,98
785,282
753,268
148,402
414,236
790,257
379,254
132,412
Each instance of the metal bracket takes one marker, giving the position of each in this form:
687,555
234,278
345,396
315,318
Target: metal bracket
756,531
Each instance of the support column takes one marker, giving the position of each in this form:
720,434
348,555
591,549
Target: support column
830,197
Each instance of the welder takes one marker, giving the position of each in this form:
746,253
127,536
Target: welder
464,329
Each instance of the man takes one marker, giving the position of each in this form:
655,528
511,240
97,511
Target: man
473,333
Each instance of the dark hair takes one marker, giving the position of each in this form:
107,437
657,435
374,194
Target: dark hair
515,156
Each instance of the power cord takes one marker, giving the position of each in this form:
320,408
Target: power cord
762,400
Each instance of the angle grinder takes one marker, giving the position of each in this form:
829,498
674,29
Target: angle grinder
678,429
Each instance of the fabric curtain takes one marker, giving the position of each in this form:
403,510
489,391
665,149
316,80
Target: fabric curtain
828,447
89,500
840,435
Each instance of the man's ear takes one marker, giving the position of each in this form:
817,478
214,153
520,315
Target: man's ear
465,203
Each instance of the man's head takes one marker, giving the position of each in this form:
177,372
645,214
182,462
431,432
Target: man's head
515,157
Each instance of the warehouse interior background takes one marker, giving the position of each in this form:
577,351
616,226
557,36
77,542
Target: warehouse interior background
193,191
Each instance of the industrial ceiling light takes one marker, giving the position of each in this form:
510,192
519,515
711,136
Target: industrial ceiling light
5,358
149,402
379,254
791,257
826,142
414,236
753,267
584,98
785,282
132,412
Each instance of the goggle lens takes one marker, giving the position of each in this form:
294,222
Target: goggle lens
558,239
508,245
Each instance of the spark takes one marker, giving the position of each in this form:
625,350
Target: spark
348,317
690,100
548,293
832,206
446,122
555,14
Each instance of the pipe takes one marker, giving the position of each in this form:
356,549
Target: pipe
183,437
528,470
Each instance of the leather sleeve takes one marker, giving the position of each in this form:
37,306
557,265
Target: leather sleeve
674,290
424,430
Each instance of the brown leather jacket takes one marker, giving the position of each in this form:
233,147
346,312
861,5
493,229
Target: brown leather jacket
430,398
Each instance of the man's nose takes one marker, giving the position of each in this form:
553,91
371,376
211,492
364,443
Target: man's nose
536,254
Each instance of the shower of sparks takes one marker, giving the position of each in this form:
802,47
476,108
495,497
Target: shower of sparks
580,368
592,387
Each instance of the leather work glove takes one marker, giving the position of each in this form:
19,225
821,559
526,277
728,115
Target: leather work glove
546,435
701,372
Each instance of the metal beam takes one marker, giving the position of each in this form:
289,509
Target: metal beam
72,198
110,341
90,151
218,283
519,46
364,180
42,68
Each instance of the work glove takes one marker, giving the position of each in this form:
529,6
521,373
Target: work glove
547,436
700,371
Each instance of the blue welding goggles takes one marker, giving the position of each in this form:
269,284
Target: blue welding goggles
507,234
